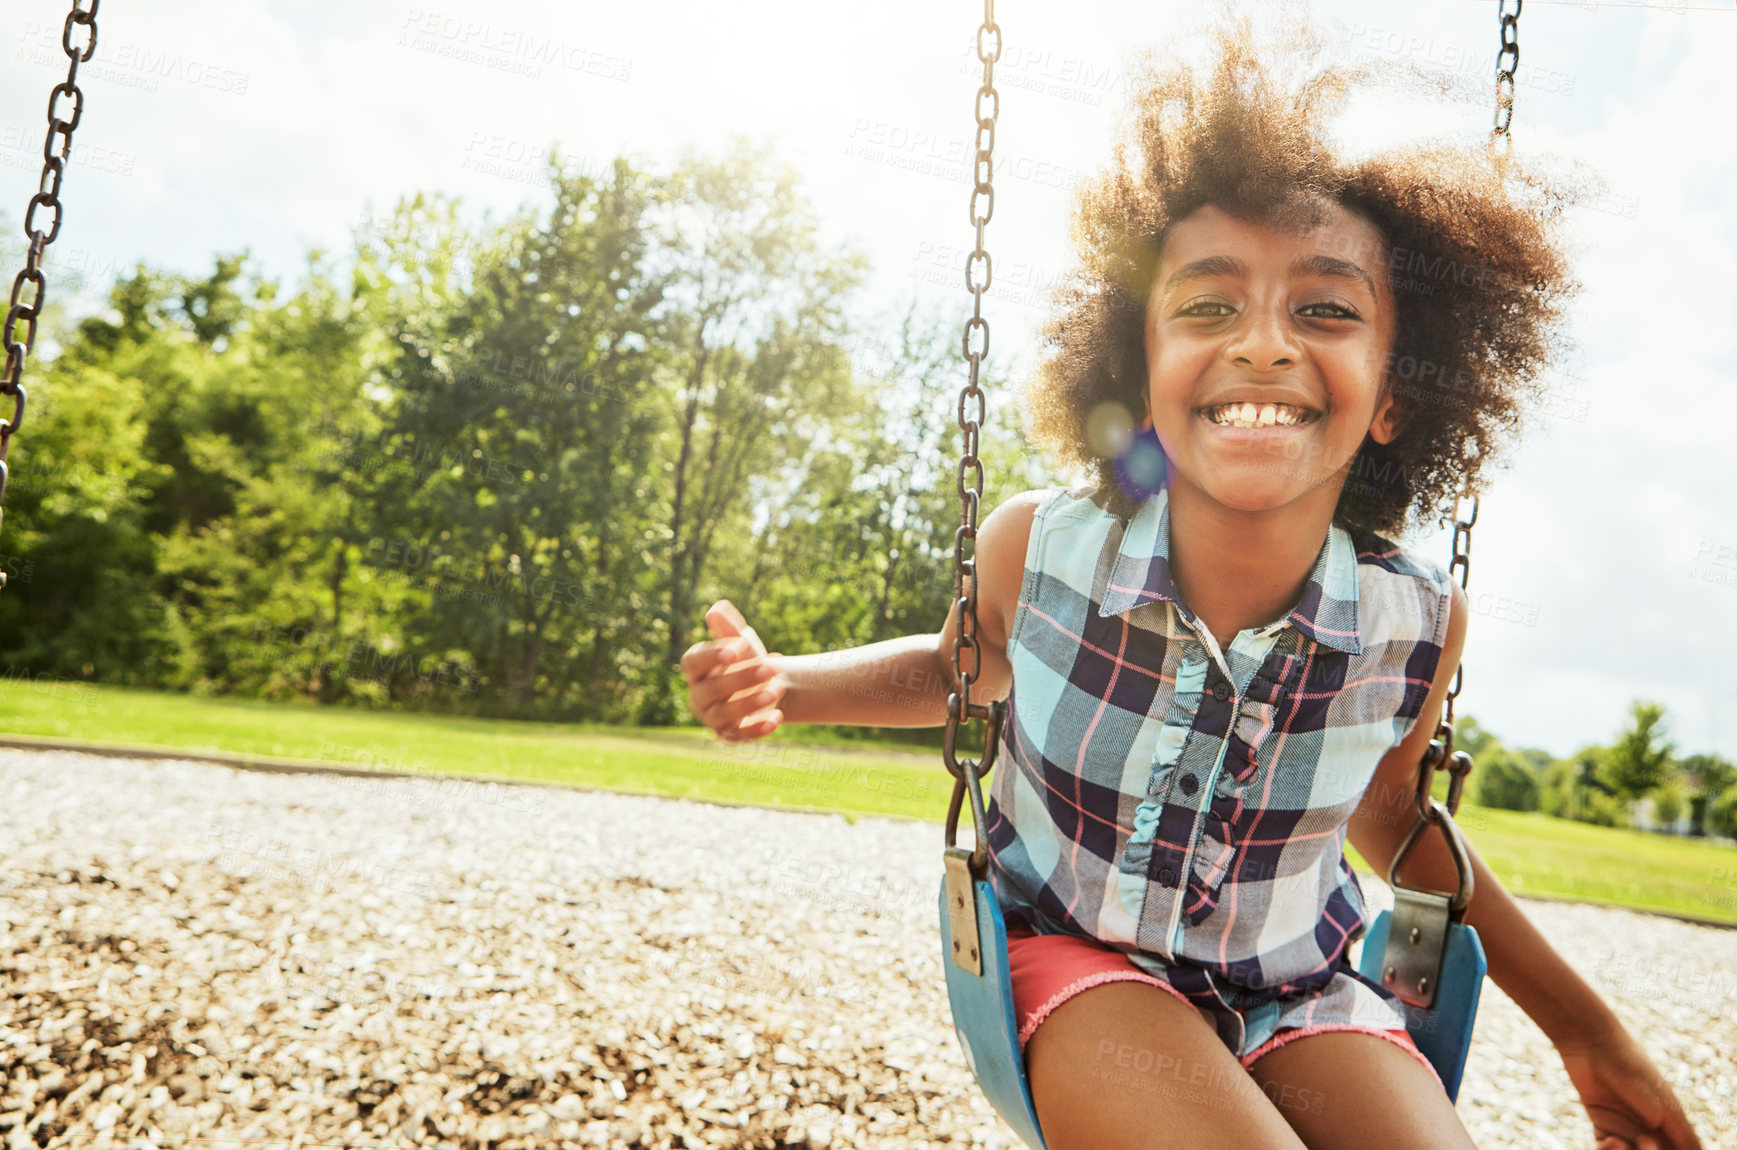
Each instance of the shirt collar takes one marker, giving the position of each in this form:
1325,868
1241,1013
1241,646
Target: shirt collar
1326,613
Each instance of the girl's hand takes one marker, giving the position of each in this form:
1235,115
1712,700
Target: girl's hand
734,686
1625,1096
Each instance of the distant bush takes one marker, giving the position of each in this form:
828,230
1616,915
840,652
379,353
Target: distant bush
1574,789
1505,780
1670,799
1722,815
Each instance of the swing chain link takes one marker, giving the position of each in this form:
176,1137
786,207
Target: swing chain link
972,414
1441,748
1459,763
1440,751
28,311
1507,62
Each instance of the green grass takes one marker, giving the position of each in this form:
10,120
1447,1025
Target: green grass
681,762
798,768
1533,853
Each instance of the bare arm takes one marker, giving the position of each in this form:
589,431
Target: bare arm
741,691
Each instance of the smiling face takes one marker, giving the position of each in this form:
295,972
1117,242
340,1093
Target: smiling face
1266,354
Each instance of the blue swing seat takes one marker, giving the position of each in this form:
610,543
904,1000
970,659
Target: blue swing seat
983,1014
1443,1032
988,1033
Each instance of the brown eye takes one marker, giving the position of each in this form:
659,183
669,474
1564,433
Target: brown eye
1194,309
1343,311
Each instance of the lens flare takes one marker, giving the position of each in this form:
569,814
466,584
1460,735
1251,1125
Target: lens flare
1141,465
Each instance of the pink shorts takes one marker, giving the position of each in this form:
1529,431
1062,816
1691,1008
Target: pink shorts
1049,969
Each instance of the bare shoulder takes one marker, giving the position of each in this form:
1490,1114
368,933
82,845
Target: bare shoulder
1006,533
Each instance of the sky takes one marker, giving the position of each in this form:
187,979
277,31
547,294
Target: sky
1604,557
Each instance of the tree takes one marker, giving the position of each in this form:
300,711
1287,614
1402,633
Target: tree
1722,815
515,459
1640,758
1573,789
76,520
1470,737
1505,780
531,416
1707,777
754,322
1669,799
858,546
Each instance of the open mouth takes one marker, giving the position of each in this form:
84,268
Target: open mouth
1255,415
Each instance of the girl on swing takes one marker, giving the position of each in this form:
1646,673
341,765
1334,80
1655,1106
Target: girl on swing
1218,667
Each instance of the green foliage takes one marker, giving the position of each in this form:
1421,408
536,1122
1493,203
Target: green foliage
1722,815
1574,789
1670,799
496,468
1708,774
1470,737
1706,778
1504,779
1639,759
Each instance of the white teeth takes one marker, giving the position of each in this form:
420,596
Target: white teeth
1249,415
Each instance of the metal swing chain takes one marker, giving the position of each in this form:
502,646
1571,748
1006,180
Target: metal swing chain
972,412
1507,62
47,196
1441,748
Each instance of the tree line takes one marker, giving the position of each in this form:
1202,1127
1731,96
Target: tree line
1637,780
493,469
502,468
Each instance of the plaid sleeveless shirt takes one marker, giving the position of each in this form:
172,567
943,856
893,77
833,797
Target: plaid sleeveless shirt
1186,804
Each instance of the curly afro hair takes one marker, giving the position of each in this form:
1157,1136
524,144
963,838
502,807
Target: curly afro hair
1478,281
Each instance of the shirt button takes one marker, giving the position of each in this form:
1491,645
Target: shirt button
1221,690
1166,876
1189,784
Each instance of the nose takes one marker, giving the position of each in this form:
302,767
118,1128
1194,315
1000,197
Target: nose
1262,339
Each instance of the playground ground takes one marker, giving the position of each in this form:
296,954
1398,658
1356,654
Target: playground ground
191,951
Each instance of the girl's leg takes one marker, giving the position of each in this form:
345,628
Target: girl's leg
1344,1090
1127,1066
